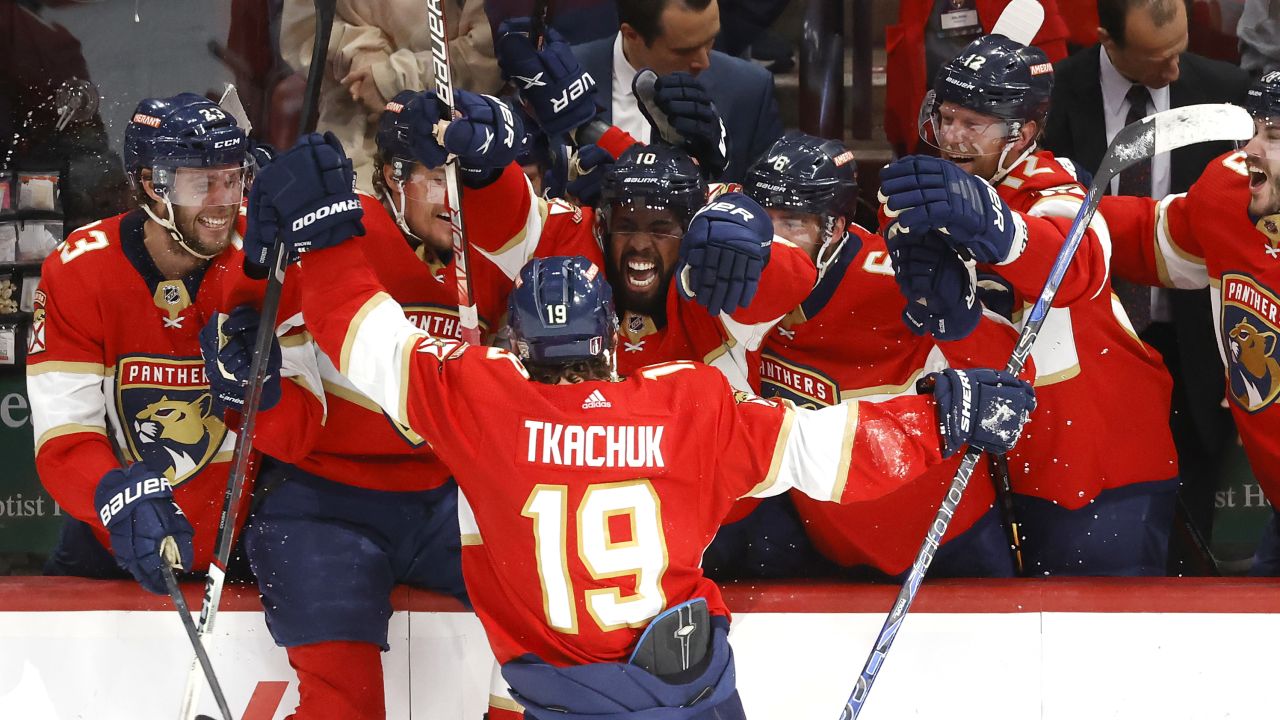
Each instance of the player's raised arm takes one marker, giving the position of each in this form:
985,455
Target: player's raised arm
861,451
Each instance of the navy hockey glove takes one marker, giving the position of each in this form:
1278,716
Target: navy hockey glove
226,342
587,174
262,154
552,84
940,288
684,105
136,506
926,192
486,135
982,408
996,294
307,196
723,253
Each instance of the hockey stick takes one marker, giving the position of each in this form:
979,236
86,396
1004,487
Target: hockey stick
257,378
468,318
193,634
1155,134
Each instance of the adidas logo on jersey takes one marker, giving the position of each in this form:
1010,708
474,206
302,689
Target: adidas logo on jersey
595,400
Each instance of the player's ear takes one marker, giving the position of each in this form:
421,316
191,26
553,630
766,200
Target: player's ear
1027,134
1105,39
389,177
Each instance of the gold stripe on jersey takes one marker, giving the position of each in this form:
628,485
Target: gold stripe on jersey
348,342
846,452
355,397
1053,378
295,339
79,368
502,703
68,429
406,364
779,448
847,395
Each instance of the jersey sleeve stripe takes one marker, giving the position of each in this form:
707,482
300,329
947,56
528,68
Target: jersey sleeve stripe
812,456
467,524
1068,206
375,353
779,451
62,366
66,399
70,429
846,451
516,252
1176,267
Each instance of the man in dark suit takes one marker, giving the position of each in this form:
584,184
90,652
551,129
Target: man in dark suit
1139,67
677,35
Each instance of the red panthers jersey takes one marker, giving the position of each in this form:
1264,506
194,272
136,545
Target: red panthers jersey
115,375
847,342
586,507
1081,439
1205,237
337,432
730,343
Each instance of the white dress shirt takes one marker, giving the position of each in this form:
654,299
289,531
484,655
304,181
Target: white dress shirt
626,112
1115,108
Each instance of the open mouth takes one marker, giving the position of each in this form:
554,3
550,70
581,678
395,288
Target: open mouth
959,159
213,222
640,274
444,216
1257,178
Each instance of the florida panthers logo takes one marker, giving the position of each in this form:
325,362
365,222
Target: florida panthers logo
1250,334
168,416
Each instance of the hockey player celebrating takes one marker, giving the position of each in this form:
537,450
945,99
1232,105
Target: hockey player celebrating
129,440
1225,233
847,342
563,589
353,502
1096,484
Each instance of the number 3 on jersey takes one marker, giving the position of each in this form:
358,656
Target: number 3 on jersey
640,554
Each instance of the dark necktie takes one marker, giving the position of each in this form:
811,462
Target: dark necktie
1136,181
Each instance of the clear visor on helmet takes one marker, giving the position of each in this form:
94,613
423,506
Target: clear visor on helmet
800,228
959,131
420,184
645,215
202,186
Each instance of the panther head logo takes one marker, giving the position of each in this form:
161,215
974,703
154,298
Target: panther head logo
1258,372
187,431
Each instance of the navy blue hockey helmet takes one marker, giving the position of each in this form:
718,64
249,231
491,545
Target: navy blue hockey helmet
185,130
658,177
995,76
1263,98
561,311
393,134
805,173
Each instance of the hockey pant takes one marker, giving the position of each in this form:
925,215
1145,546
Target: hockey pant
621,691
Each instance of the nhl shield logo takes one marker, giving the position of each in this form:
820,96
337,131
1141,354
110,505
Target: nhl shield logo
167,414
1250,326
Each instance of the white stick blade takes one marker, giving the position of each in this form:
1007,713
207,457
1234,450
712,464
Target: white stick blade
230,102
1020,21
1179,127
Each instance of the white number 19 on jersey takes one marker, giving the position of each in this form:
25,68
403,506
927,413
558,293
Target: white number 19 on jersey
642,555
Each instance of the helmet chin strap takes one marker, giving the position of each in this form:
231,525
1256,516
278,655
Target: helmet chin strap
397,212
829,250
170,227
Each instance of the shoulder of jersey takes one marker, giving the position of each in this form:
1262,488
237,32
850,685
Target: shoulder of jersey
559,208
1045,175
1228,174
89,250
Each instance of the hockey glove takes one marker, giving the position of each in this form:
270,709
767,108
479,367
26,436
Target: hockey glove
552,84
982,408
486,135
683,114
306,195
940,288
586,174
997,294
928,192
723,253
226,342
136,506
262,154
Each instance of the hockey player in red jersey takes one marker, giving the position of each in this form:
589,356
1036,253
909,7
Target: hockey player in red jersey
591,522
1224,233
846,342
129,439
353,502
1096,484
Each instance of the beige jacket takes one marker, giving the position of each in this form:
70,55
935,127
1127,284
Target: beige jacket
391,38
